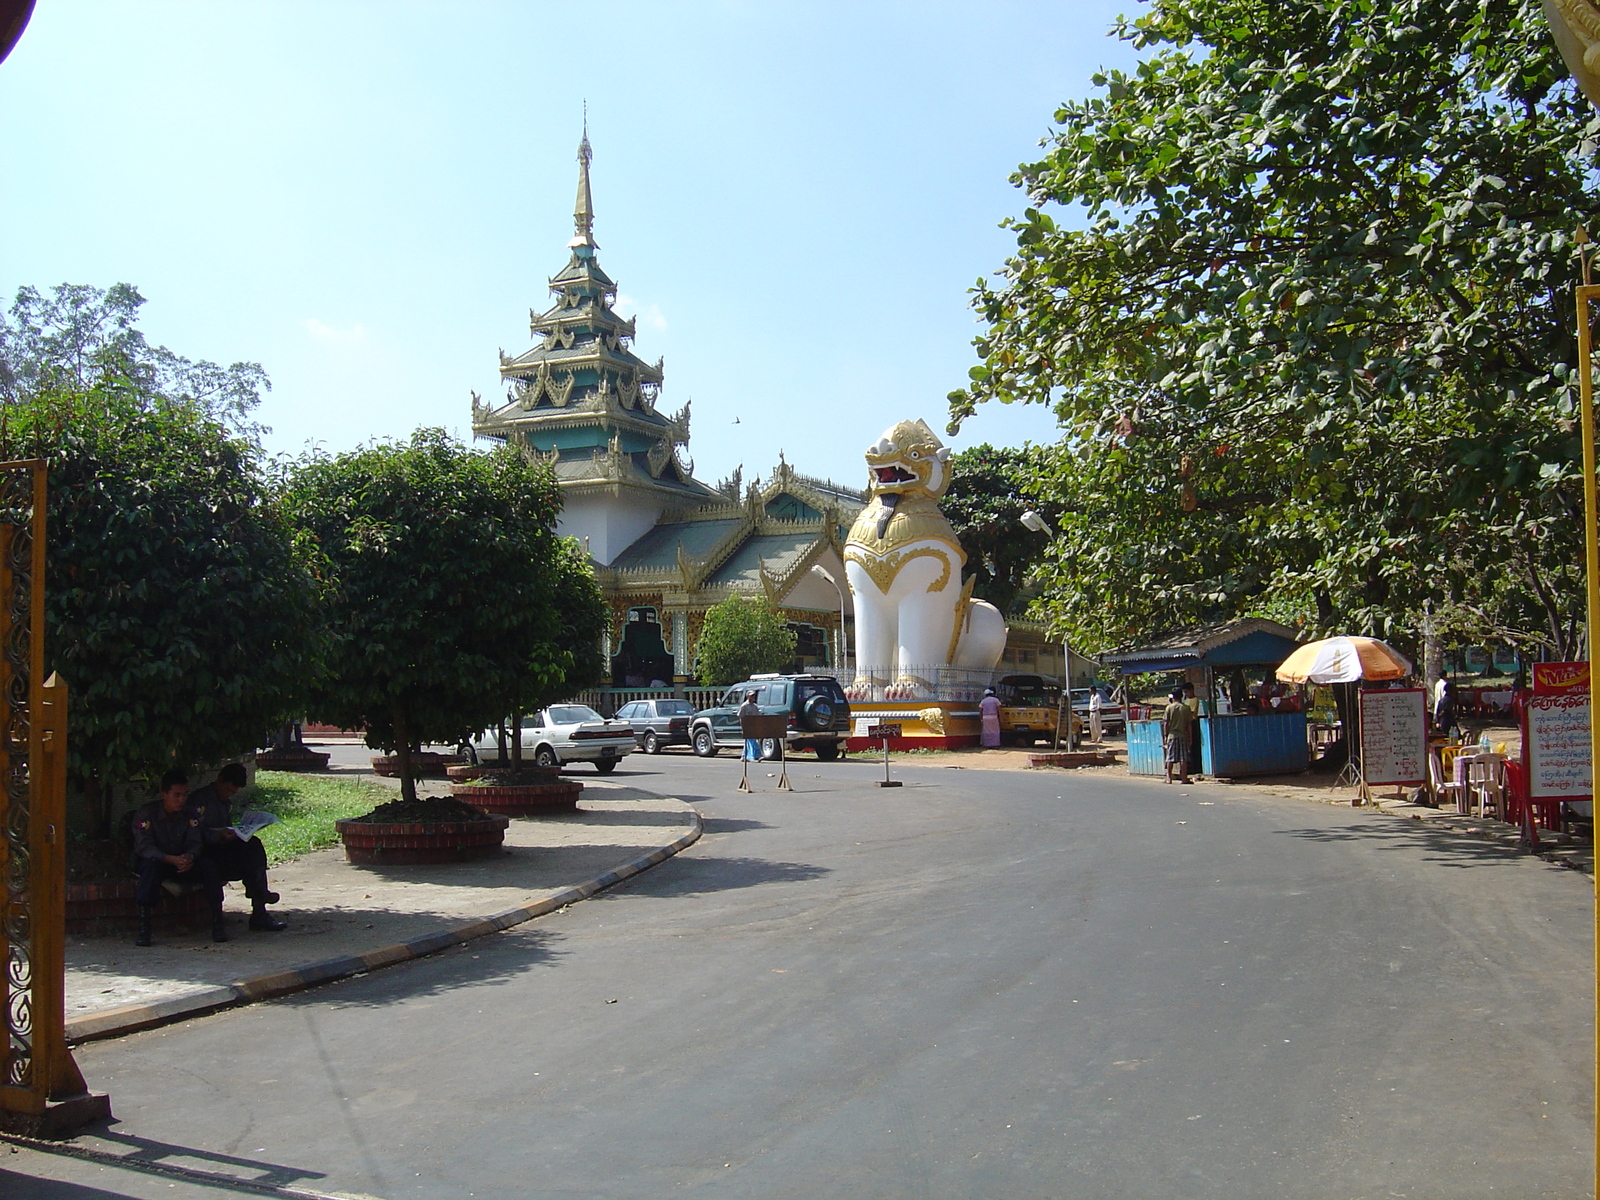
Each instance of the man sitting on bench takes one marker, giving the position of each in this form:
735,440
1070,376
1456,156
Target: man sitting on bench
244,860
167,844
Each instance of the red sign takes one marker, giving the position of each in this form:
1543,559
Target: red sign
1560,678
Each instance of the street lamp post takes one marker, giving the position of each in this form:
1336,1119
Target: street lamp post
1032,520
839,646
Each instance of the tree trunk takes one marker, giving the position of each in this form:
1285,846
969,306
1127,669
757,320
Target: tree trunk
1432,655
500,742
402,751
97,799
516,742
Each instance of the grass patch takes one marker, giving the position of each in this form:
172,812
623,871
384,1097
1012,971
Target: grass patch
306,807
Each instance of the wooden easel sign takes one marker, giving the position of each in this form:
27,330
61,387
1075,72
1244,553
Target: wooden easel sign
761,727
1394,738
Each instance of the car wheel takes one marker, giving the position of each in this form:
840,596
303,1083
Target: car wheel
544,756
605,765
652,744
770,749
468,754
704,744
827,751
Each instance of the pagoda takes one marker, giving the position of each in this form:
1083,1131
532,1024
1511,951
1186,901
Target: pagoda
584,402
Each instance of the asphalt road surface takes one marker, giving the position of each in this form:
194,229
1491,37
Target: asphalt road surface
982,984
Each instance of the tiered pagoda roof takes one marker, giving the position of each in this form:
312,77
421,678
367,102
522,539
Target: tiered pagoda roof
580,397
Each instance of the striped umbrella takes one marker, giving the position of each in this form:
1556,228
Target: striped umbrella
1344,660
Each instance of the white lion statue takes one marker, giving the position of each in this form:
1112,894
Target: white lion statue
903,561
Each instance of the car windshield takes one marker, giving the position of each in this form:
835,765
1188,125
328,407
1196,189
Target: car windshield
572,714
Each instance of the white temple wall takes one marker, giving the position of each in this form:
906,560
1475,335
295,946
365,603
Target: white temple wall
611,525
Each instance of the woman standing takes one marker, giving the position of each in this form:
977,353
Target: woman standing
989,710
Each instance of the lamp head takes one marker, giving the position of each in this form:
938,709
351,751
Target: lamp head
817,569
1035,522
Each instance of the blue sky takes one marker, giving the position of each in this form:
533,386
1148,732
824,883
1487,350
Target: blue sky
367,198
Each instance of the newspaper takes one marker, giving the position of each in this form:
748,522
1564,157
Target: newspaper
251,823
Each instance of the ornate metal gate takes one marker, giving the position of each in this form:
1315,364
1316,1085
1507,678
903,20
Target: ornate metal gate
41,1090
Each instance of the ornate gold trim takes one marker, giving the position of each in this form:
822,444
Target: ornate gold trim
883,570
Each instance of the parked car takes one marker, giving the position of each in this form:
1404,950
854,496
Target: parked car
658,723
1112,718
819,716
561,734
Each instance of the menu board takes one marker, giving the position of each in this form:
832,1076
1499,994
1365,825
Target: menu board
1394,736
1555,745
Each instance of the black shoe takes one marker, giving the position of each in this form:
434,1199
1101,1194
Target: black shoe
265,922
144,927
219,931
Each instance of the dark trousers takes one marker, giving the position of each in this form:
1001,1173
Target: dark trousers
244,861
153,870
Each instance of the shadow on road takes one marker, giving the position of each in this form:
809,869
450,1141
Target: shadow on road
731,825
691,875
150,1157
1448,847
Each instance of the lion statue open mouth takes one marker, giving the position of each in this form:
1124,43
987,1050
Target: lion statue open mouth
903,561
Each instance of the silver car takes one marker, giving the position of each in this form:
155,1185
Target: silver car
659,722
561,734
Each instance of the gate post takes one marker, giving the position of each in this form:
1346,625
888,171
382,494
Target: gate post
42,1092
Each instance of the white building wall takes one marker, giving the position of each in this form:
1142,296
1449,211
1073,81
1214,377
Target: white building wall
611,525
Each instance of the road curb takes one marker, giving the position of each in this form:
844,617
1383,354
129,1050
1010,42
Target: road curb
114,1022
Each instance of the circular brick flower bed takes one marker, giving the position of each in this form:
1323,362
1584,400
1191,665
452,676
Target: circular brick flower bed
427,764
520,799
292,758
422,831
490,771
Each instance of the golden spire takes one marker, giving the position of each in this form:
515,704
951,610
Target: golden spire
583,212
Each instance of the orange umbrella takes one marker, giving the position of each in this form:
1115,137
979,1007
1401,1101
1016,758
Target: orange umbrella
1344,660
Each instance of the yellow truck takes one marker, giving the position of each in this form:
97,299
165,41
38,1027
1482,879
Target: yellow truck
1028,710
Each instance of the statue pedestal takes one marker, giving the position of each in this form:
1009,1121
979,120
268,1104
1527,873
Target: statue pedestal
924,724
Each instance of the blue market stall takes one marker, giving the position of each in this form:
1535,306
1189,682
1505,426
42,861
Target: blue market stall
1245,729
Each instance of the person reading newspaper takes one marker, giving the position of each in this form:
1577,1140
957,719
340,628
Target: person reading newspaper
232,845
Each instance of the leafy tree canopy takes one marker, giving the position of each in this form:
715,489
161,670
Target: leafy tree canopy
1312,346
79,337
454,603
741,638
181,609
989,491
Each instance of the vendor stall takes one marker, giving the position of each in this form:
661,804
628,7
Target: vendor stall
1248,725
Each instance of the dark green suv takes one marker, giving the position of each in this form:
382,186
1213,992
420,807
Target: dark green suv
819,716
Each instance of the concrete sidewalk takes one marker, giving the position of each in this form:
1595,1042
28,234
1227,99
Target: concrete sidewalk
345,919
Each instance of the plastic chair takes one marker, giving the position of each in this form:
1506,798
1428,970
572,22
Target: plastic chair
1486,783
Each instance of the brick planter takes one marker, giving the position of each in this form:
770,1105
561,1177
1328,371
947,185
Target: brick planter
464,772
1074,758
521,799
373,844
292,758
97,909
426,765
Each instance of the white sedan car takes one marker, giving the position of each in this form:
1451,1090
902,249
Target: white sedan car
561,734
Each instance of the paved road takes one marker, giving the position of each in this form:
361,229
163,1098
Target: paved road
985,984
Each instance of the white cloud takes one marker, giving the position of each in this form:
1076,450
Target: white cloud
321,331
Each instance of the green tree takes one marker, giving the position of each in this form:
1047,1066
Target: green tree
1311,347
989,491
454,603
181,608
79,337
741,638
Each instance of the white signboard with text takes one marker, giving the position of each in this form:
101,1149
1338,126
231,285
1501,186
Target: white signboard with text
1394,736
1557,747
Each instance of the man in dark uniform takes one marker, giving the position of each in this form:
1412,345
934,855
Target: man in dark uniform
167,844
234,857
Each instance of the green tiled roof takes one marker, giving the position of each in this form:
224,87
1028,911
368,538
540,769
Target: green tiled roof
659,548
778,550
